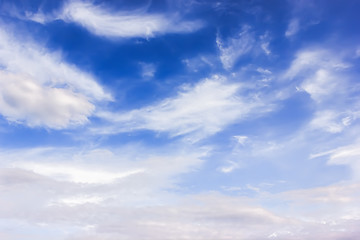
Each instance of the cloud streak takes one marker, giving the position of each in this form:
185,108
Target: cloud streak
102,21
197,111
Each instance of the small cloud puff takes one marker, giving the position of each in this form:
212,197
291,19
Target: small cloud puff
147,70
293,28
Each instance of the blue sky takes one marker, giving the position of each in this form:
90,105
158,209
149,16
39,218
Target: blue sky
182,119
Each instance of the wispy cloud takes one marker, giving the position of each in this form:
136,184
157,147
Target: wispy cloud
200,110
241,139
235,47
307,61
22,99
77,174
304,14
200,63
127,174
39,89
328,80
229,167
103,21
345,155
293,28
330,121
265,42
147,70
245,43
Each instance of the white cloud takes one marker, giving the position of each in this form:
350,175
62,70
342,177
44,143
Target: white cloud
322,84
130,175
293,28
309,61
333,208
322,73
103,21
263,71
17,55
39,89
103,166
140,207
24,100
148,70
344,155
241,139
304,14
265,48
329,81
233,48
77,174
36,17
201,63
231,166
328,121
346,121
246,42
198,111
79,200
332,194
347,155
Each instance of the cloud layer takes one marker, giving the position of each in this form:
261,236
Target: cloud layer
135,205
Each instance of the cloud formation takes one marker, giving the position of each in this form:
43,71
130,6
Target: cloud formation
102,21
135,206
23,100
236,47
345,155
200,110
293,28
328,79
235,131
39,89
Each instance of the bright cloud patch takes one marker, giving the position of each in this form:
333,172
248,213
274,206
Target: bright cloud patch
327,78
329,121
39,89
320,68
24,100
104,22
201,110
77,174
345,155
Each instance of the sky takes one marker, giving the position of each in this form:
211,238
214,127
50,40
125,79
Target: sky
179,119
